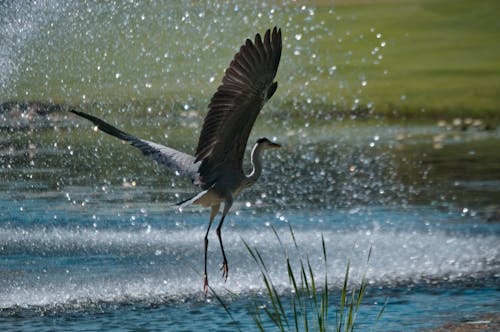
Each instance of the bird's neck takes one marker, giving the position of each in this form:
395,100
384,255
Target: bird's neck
256,160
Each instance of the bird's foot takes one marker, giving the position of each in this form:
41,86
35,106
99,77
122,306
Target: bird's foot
225,270
205,284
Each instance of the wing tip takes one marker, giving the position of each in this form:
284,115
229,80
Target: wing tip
254,59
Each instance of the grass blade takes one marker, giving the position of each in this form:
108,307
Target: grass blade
309,305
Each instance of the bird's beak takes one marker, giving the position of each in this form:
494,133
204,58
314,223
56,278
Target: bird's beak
274,145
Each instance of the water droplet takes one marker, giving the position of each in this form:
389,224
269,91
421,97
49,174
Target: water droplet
298,36
118,75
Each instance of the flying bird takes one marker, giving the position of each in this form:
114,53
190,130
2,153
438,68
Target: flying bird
217,165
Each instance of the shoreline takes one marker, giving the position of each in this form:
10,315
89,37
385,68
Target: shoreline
26,109
484,323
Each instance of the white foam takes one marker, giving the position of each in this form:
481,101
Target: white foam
172,256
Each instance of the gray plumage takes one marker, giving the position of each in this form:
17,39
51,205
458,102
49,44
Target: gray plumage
177,161
217,164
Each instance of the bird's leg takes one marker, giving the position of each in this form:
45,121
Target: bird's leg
224,268
213,213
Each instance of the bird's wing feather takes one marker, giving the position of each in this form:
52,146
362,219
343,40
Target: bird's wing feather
247,84
179,162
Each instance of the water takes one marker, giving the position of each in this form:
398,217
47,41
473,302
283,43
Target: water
89,236
97,254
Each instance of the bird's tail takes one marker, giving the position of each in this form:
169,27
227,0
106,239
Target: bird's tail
193,199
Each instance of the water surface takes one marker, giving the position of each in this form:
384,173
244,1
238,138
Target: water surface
96,242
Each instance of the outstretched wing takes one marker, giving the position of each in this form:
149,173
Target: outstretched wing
246,86
179,162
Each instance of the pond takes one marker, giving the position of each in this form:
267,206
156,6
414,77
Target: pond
91,239
102,249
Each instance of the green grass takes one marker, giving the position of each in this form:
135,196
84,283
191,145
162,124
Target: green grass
439,58
305,304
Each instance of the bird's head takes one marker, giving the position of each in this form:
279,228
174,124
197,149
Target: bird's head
266,144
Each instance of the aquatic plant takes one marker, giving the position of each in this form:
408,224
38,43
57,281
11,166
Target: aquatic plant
307,305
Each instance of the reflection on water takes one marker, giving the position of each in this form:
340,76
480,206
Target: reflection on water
429,214
324,167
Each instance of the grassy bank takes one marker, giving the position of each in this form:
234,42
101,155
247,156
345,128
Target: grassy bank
440,58
398,59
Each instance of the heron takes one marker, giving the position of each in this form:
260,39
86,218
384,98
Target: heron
217,165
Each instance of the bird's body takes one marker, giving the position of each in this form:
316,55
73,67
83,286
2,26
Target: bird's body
217,166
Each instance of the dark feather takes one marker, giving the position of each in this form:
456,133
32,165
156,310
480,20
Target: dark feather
246,86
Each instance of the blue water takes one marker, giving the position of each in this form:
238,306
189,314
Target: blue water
83,248
104,266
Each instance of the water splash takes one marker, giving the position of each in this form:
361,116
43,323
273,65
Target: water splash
70,266
20,24
114,54
98,52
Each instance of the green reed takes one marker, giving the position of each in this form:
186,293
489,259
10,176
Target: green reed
307,307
